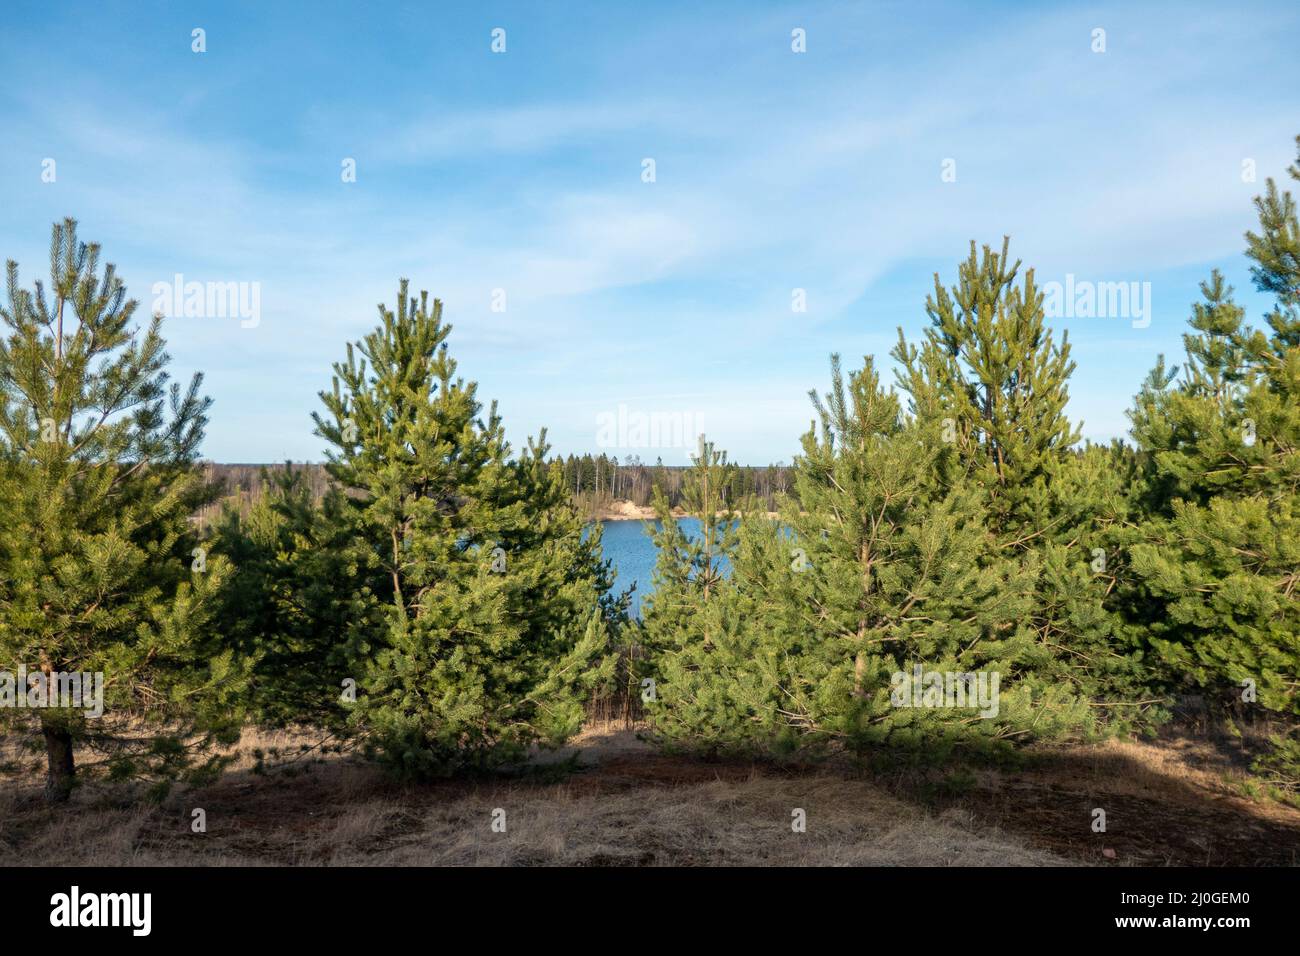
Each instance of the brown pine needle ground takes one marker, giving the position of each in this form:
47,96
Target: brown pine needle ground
1167,803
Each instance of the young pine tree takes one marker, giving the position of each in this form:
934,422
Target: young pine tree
874,571
990,372
301,593
1222,447
678,621
493,628
99,568
689,569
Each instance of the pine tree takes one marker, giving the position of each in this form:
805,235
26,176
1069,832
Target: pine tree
874,571
494,627
100,570
689,569
1218,554
678,622
301,594
1275,251
990,369
1221,445
993,377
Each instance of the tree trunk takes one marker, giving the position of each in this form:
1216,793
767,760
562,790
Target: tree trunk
860,674
62,772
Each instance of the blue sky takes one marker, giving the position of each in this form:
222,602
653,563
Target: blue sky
522,171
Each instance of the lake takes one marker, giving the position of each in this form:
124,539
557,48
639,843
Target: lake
629,546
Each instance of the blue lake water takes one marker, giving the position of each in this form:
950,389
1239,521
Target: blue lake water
629,546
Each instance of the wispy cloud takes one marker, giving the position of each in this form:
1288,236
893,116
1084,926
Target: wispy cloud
774,171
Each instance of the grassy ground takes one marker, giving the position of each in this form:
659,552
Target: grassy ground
1176,802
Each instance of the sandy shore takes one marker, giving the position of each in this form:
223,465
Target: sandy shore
627,511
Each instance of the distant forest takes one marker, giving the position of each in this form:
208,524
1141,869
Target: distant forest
594,481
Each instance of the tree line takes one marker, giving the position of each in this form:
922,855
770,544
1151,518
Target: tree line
599,480
595,483
950,570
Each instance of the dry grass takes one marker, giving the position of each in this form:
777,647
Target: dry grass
1179,801
630,805
721,822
